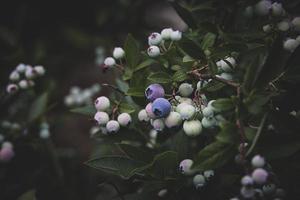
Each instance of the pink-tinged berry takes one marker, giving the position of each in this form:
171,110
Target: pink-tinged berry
112,126
149,111
185,167
259,176
143,116
124,119
153,51
101,117
154,91
30,72
154,39
12,88
102,103
6,154
158,124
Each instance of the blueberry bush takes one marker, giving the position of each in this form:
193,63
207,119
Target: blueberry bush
202,113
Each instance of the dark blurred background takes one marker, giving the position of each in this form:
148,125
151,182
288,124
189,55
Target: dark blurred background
63,36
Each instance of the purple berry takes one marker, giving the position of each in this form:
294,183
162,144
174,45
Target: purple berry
154,91
6,154
161,107
260,176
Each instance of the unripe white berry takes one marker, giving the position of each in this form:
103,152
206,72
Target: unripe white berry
296,23
185,89
208,112
153,51
143,116
225,67
248,12
290,44
30,72
185,167
102,103
283,26
259,176
118,53
186,111
44,133
23,84
40,70
21,68
262,8
101,117
7,144
173,120
109,61
192,128
14,76
158,124
15,127
176,35
12,88
247,181
124,119
208,122
166,33
277,9
199,181
247,192
112,126
153,134
162,193
154,39
258,161
184,100
208,174
267,28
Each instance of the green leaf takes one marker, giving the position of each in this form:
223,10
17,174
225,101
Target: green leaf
29,195
132,53
127,74
136,153
125,107
89,110
160,77
185,14
208,41
213,86
136,92
191,48
144,64
118,165
179,143
213,156
228,134
164,164
38,107
179,76
223,104
284,151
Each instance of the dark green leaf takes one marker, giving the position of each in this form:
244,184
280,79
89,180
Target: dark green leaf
136,153
208,41
127,108
132,53
144,64
191,48
160,77
29,195
228,134
38,107
164,164
179,76
223,104
89,110
136,92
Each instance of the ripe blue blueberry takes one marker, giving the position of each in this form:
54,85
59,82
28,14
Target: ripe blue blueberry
154,91
161,107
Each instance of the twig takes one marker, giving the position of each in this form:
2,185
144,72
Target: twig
113,87
258,133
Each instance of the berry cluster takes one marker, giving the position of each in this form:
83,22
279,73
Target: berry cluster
194,113
102,117
226,67
260,183
110,62
157,41
280,21
10,126
22,77
79,97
